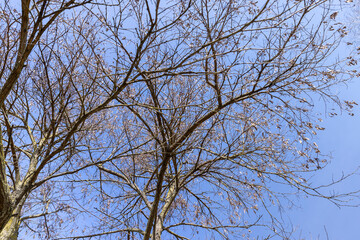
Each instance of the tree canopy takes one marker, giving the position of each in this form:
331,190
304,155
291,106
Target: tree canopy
149,119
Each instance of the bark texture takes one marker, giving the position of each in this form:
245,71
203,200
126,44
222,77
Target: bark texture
11,229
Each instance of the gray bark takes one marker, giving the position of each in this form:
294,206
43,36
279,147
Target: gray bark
158,229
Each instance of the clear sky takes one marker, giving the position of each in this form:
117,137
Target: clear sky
341,140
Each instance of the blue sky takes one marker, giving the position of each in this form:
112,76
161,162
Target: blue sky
316,218
341,140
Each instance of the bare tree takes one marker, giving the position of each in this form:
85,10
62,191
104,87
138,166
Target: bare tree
153,119
51,97
220,118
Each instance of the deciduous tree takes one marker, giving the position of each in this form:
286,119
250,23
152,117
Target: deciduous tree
151,119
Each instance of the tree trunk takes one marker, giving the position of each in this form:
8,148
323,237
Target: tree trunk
11,229
158,229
